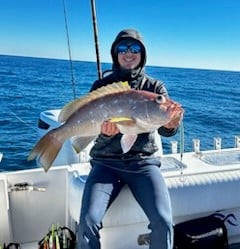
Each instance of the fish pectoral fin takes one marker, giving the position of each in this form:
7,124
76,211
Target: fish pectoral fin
122,120
127,142
80,143
133,127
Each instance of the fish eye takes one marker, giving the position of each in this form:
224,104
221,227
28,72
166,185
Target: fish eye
160,99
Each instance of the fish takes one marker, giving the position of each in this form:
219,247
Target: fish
133,111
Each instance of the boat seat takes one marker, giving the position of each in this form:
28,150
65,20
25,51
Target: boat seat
184,197
132,209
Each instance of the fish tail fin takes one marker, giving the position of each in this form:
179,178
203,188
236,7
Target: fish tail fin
46,149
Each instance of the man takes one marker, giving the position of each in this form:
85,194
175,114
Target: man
112,169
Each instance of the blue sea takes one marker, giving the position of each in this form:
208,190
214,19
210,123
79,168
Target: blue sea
211,99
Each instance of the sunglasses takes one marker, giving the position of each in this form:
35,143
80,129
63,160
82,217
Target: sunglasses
133,48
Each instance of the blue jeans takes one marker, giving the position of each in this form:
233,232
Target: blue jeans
147,185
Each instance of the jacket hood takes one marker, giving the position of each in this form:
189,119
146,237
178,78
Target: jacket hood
128,34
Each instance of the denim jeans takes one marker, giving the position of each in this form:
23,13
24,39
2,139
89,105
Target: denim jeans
147,185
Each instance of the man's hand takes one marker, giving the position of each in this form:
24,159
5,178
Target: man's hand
174,123
109,129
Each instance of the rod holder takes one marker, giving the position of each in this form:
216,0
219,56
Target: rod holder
237,141
174,147
217,143
196,145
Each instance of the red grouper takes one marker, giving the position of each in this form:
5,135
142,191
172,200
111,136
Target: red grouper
133,111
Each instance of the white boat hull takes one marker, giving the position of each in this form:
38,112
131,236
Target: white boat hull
202,189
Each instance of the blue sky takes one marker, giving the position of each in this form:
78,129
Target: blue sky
177,33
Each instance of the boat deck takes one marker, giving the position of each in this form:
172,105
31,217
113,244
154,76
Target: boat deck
34,245
31,245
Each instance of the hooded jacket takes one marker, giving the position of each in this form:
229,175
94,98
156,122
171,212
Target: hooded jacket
109,147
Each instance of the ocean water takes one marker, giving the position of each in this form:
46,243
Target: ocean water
211,100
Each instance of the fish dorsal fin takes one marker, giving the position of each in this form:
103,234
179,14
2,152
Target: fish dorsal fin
73,106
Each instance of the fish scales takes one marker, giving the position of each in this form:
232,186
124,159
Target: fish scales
88,119
133,111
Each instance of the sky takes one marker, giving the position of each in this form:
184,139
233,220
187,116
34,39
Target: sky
177,33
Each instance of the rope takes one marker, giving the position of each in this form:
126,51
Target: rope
181,139
182,179
69,51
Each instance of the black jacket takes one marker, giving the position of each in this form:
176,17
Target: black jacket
109,147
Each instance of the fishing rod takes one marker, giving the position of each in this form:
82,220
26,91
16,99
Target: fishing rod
69,50
94,20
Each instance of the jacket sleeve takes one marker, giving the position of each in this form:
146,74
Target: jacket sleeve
103,140
167,132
